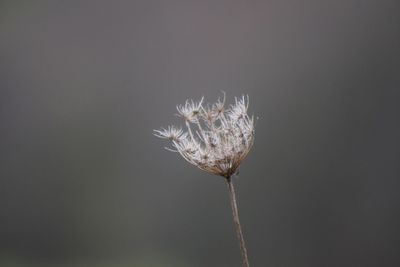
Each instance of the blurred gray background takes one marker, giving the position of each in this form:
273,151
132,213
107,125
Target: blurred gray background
83,182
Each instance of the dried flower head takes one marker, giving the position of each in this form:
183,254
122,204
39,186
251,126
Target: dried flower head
217,139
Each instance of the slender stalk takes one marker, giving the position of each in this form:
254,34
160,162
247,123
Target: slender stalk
235,214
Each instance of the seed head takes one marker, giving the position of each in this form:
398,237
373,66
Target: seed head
217,139
191,110
172,133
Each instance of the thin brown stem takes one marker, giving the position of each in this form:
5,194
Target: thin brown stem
235,214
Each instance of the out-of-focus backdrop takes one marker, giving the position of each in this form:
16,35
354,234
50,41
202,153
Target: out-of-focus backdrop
83,182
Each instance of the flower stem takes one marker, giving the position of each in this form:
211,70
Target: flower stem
235,214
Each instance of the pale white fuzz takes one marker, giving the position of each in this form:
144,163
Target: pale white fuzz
217,139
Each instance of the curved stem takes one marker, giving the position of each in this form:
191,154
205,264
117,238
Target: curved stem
235,214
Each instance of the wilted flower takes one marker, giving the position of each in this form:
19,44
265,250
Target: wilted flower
217,139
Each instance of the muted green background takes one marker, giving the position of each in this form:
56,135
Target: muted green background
84,183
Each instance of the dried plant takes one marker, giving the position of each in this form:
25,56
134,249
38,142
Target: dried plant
216,141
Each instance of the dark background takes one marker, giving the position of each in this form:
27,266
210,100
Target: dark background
83,182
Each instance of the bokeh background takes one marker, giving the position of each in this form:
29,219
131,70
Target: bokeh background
84,183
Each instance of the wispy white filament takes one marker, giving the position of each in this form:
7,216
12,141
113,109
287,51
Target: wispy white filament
217,139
